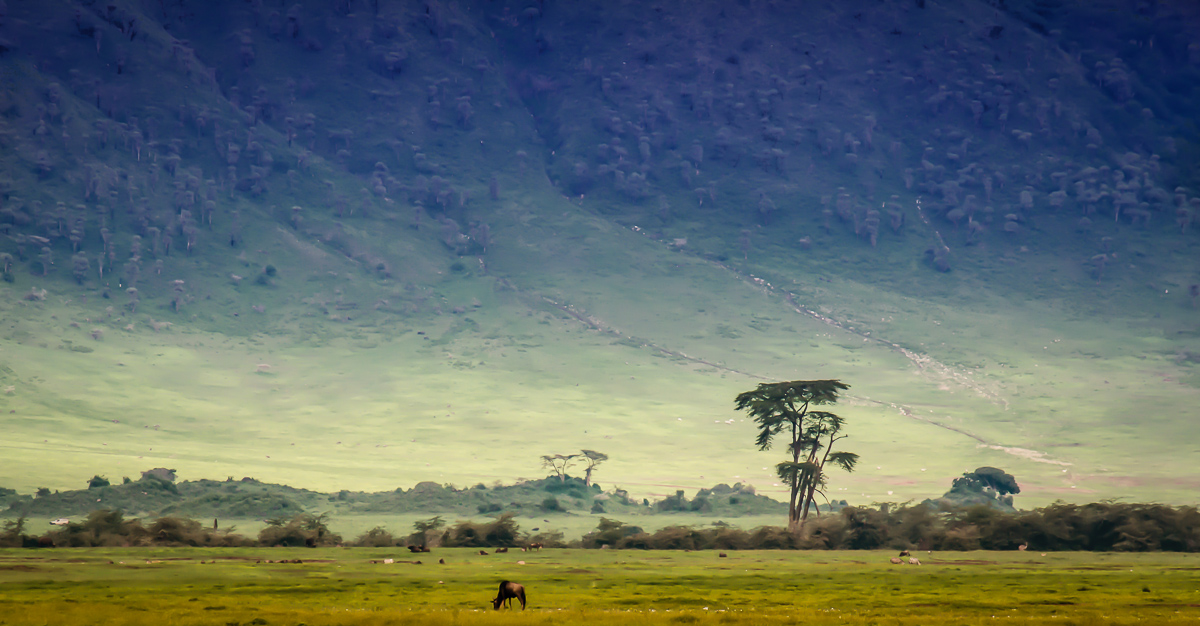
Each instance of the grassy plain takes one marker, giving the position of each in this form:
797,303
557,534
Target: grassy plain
342,586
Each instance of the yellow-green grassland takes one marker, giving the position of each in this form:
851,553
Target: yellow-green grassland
322,587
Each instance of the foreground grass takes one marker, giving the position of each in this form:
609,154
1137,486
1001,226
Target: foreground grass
342,586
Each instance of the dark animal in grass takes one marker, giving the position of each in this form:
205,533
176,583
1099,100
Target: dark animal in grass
508,591
535,546
501,550
483,553
904,553
415,549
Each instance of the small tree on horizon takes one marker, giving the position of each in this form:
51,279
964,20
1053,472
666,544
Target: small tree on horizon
783,409
559,464
424,531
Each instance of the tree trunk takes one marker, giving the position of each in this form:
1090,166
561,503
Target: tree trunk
793,505
808,497
587,477
810,487
793,513
810,492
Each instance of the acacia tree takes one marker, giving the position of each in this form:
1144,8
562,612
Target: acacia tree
424,531
784,409
559,463
591,459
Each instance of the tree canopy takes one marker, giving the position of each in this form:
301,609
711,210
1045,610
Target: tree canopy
996,478
591,459
986,485
559,464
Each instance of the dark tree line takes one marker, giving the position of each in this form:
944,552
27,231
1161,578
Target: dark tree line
1098,527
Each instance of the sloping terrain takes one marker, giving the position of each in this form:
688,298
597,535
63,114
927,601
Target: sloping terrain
360,245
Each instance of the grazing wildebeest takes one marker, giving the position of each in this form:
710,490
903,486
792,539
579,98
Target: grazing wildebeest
904,553
501,550
483,553
536,546
415,549
441,561
508,591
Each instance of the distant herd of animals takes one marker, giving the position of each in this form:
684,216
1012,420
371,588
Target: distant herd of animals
510,590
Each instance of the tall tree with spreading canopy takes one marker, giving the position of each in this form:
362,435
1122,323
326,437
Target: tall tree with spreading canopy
784,409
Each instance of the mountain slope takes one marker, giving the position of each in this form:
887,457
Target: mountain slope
439,241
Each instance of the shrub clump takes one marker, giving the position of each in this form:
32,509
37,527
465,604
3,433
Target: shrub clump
502,532
377,537
303,530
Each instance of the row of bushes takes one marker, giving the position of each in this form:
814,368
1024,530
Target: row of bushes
1099,527
1093,527
501,532
110,528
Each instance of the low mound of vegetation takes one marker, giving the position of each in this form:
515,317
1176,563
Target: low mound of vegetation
156,494
987,486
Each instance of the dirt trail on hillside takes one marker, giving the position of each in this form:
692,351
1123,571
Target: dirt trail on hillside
929,368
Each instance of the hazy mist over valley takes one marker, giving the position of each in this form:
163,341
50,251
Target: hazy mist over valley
363,244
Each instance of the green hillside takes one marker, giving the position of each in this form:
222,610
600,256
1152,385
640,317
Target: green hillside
359,246
248,498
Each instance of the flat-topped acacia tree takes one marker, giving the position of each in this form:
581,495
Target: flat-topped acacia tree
559,464
783,409
592,459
